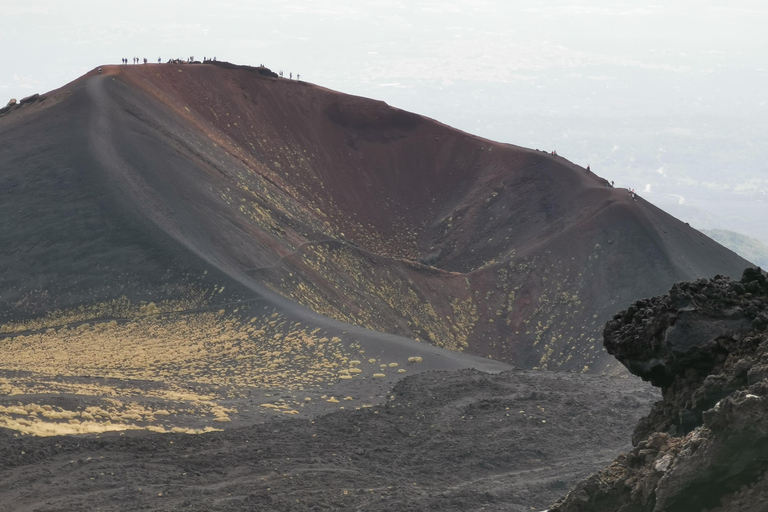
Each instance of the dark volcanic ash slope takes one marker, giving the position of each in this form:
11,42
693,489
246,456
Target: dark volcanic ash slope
704,447
361,212
454,441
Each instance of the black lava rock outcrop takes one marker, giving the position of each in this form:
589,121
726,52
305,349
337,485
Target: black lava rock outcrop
704,446
13,104
32,99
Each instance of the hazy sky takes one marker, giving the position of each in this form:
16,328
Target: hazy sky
667,98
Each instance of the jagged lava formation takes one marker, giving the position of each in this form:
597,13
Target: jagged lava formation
704,446
146,181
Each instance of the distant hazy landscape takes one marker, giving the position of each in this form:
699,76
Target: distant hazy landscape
750,248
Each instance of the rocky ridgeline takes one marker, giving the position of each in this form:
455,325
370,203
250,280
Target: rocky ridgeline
13,104
704,446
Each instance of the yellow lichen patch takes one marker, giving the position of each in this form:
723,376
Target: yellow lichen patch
45,428
203,347
464,318
181,430
111,415
379,375
13,410
188,361
415,359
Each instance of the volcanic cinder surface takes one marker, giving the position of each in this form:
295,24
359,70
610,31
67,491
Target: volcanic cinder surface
208,249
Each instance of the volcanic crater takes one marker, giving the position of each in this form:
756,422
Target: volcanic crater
189,248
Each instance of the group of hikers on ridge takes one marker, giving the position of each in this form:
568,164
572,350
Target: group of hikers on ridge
138,60
191,60
631,191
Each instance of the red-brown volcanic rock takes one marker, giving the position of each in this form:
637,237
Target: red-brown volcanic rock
143,177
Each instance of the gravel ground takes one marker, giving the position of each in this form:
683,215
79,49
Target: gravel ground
465,440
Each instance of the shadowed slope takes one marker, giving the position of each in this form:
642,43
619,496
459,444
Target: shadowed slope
361,212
